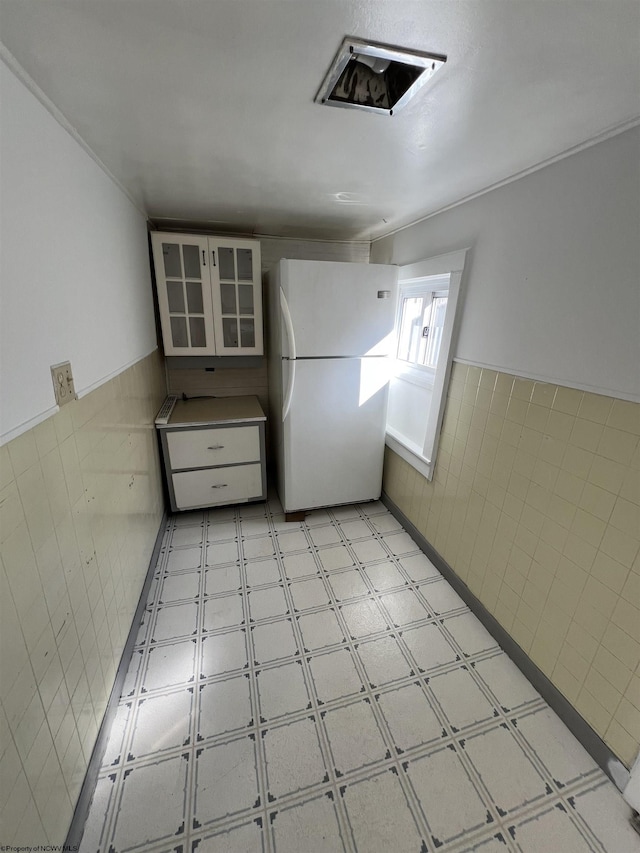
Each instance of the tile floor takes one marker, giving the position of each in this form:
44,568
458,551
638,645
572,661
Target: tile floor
319,687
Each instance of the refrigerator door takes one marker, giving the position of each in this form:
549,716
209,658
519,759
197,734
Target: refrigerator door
339,309
334,432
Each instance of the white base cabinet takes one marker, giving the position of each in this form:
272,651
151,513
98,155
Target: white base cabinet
213,451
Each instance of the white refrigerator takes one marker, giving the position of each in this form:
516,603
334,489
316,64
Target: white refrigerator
330,337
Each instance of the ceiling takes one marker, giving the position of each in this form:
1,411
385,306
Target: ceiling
204,110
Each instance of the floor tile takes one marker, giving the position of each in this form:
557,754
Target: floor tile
346,585
411,720
169,665
337,557
419,567
179,587
223,612
369,550
282,690
288,542
460,698
258,526
506,682
384,576
221,532
554,824
299,566
354,736
335,675
265,603
184,558
226,780
223,653
606,815
219,553
227,579
428,647
385,523
239,839
263,546
363,618
293,756
383,661
174,620
273,640
309,593
186,536
404,607
161,723
326,535
320,630
400,543
307,826
356,529
224,706
440,598
261,572
469,634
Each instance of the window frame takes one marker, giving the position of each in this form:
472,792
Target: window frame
419,374
411,279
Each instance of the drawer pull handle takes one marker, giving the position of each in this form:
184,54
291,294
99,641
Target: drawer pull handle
220,486
216,447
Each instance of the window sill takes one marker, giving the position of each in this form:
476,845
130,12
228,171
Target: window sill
408,451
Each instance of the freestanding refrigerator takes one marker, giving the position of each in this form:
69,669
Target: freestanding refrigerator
330,334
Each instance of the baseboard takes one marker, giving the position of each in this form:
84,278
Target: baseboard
576,724
81,812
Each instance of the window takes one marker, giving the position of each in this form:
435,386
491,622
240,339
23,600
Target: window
427,305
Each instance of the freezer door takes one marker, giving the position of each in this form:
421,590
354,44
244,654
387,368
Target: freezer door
339,309
334,433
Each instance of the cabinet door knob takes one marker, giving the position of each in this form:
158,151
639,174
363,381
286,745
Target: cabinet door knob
216,447
204,258
220,486
213,257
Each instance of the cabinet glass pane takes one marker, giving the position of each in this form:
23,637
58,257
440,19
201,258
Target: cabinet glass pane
228,298
172,265
175,297
191,261
230,332
245,265
227,264
247,333
196,330
245,298
179,331
194,297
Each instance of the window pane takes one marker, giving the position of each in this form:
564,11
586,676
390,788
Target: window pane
194,297
191,261
175,297
171,255
245,265
410,328
227,264
179,331
230,332
228,298
247,333
196,330
245,298
438,312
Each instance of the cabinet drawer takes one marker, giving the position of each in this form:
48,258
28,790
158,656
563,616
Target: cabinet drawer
202,448
217,486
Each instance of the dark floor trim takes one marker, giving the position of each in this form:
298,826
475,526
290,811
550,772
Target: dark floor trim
74,836
576,724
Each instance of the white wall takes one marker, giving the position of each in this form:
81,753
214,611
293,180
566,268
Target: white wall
553,278
74,268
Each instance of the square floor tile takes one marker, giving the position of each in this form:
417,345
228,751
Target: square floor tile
349,584
469,634
152,803
227,579
400,543
380,817
554,745
383,661
188,519
260,572
221,532
174,620
384,522
179,587
185,558
506,772
327,535
223,653
371,508
441,598
282,690
337,557
306,825
345,511
219,553
281,525
354,736
253,510
556,826
186,536
356,529
335,675
266,603
363,618
385,576
273,641
317,518
411,719
320,630
419,567
224,706
223,612
309,593
449,799
169,665
460,698
295,541
161,723
428,647
255,526
369,550
606,814
299,566
100,810
239,839
226,780
511,689
293,756
404,607
263,546
220,514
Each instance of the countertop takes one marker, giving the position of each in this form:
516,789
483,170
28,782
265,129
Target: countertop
218,410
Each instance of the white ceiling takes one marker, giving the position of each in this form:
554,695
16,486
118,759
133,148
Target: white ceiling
204,109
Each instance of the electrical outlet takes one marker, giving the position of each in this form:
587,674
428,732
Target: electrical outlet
63,382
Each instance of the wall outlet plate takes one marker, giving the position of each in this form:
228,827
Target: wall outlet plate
63,387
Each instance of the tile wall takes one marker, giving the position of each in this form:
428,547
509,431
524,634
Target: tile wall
80,506
535,504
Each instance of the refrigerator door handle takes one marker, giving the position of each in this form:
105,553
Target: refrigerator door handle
286,316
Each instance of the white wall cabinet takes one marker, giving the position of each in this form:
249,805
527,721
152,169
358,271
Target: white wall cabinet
209,294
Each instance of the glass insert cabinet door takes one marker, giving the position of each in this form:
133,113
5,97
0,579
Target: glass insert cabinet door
182,266
237,296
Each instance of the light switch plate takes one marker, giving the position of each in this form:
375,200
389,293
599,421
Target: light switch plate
63,386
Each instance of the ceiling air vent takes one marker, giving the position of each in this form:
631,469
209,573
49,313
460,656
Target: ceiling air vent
376,77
